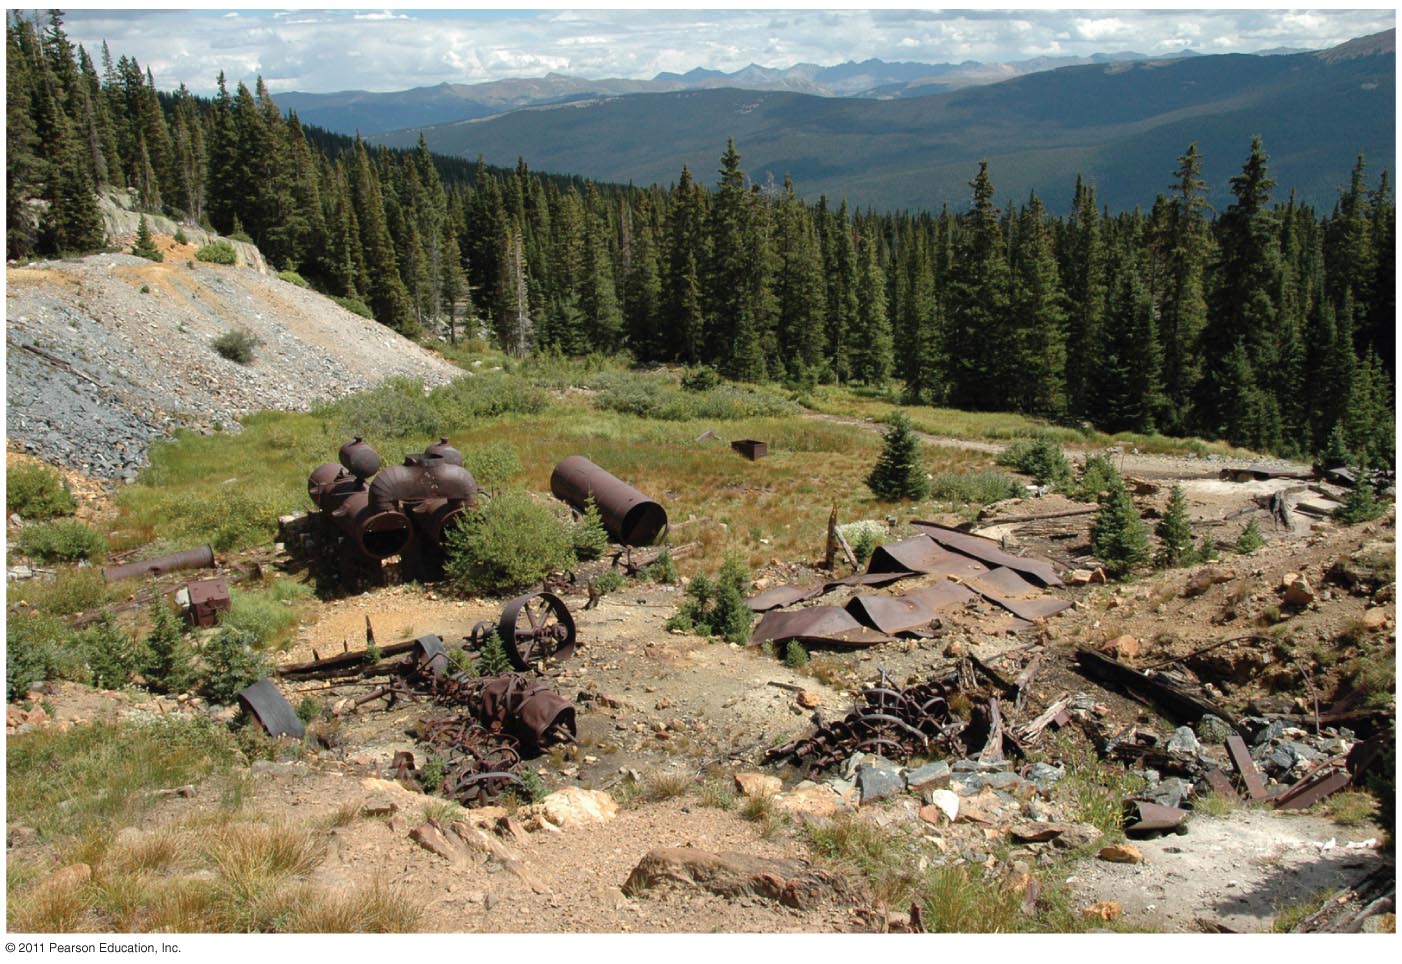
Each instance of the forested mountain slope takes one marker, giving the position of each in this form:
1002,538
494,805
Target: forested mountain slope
1111,124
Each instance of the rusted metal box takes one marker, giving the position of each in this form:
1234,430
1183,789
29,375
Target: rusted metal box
750,449
208,598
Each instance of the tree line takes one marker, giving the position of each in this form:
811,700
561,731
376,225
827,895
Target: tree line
1267,324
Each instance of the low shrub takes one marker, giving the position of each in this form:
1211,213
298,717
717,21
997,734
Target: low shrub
610,580
231,663
217,252
492,463
38,647
63,540
237,346
508,545
700,379
166,661
1039,457
70,591
1095,476
493,661
486,396
37,492
795,656
974,488
1360,505
355,306
650,397
716,607
293,278
1250,539
110,655
396,408
663,570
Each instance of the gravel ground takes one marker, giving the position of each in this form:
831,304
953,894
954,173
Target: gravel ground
107,353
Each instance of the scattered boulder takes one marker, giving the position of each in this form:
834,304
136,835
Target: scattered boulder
1120,854
1183,742
1075,835
1122,647
1213,729
788,882
808,699
1204,579
931,775
577,807
878,782
1376,618
943,801
758,784
1106,910
1296,591
811,802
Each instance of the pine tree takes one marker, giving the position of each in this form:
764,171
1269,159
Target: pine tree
1174,531
1118,537
1184,247
979,320
1084,272
898,473
166,663
385,290
145,246
1039,317
872,348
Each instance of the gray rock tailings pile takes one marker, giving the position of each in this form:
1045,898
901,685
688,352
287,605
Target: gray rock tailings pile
107,353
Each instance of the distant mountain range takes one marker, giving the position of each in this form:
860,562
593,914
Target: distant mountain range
349,111
1120,124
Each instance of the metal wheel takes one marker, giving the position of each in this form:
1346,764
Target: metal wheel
536,627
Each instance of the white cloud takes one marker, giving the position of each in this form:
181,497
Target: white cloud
394,49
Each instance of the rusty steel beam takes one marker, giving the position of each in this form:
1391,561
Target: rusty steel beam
1221,784
629,516
201,558
1311,789
1241,759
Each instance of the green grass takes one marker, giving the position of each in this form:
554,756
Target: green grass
94,777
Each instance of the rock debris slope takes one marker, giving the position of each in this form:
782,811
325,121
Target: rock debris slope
106,353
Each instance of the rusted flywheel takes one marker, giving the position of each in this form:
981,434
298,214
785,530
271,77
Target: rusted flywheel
536,627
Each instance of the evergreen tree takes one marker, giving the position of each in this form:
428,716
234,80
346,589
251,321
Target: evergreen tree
1039,317
166,663
898,473
384,290
871,351
145,246
979,320
1118,537
1174,531
1183,244
1084,272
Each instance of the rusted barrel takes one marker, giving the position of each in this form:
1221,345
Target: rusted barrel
630,517
201,558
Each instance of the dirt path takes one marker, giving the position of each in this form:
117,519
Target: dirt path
1138,464
1239,871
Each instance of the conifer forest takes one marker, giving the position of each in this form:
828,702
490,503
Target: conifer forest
1268,324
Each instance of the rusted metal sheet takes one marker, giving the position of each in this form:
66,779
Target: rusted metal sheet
1004,582
208,598
1030,609
270,708
1313,788
942,595
989,553
1241,759
781,596
201,558
868,579
1172,700
629,516
1145,817
751,449
821,624
916,554
891,614
534,627
1221,784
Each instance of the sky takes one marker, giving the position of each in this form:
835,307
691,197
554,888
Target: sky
320,50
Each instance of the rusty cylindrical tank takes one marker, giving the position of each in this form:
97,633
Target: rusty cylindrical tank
630,517
380,533
441,450
359,458
201,558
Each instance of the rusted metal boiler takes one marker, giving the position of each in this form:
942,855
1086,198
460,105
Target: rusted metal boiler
630,517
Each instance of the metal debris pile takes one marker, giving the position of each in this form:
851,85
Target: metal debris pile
970,567
899,723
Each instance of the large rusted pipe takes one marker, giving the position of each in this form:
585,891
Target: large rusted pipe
329,485
630,517
201,558
399,484
380,533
